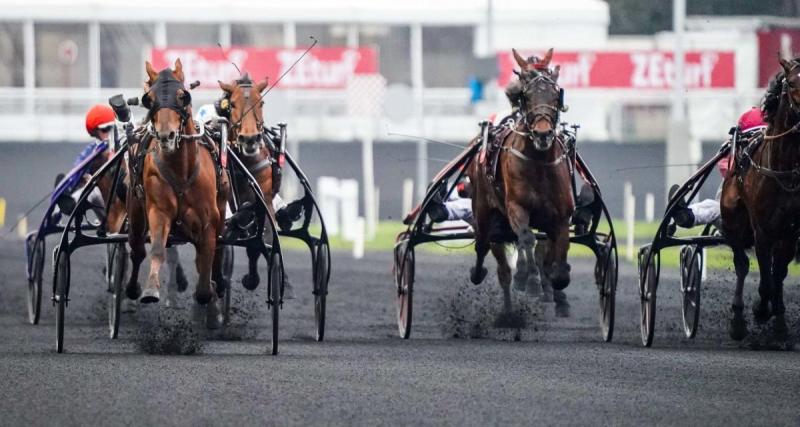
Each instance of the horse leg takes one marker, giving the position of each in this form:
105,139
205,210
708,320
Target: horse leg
205,247
172,276
534,280
556,267
251,280
782,255
526,240
738,325
539,253
761,311
503,274
159,231
478,272
521,275
133,290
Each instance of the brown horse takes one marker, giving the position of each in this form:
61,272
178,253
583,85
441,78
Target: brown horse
179,190
242,106
760,205
532,184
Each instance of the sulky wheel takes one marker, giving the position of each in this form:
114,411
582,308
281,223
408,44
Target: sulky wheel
322,271
275,291
691,286
60,300
117,268
608,291
35,281
649,264
404,277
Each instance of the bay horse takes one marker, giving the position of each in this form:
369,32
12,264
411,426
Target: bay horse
760,204
181,189
241,104
532,184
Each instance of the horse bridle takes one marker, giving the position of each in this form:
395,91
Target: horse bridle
165,89
532,115
224,108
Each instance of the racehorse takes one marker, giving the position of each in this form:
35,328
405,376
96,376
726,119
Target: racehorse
760,204
532,185
242,105
178,187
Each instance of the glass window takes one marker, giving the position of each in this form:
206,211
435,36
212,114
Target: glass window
62,58
192,34
447,59
328,35
122,52
394,50
267,35
12,55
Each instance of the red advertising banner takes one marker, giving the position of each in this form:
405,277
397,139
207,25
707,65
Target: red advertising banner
633,69
770,43
322,68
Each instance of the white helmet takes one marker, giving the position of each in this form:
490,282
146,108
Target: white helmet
205,113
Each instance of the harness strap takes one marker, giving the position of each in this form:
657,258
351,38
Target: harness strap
794,128
177,186
263,164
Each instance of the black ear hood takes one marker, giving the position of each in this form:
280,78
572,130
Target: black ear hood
165,90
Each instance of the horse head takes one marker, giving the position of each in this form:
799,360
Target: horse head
791,82
169,105
542,99
242,105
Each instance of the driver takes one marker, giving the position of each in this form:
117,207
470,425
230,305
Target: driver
707,211
100,122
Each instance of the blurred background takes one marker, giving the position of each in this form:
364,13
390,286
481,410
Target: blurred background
387,71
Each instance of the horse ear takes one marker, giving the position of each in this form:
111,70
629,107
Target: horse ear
178,70
151,73
227,88
554,74
787,65
262,85
523,64
547,57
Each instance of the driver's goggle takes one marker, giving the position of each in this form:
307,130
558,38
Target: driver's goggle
106,128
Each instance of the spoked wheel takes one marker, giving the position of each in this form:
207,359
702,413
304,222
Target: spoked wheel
404,277
649,265
608,292
227,276
691,286
35,281
275,291
321,275
117,267
61,292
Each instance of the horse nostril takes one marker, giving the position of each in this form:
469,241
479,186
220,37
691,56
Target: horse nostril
241,138
171,135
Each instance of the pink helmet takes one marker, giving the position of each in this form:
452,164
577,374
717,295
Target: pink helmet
751,119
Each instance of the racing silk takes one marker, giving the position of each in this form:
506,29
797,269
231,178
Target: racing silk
87,151
80,166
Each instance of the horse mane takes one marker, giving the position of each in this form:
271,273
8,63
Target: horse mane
772,98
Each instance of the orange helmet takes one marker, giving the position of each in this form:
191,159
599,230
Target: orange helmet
99,116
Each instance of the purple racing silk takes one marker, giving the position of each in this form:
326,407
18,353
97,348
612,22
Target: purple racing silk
80,166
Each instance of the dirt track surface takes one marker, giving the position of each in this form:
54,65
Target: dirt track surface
560,373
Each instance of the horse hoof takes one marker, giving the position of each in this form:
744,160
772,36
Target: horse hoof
149,296
563,310
761,313
559,276
519,282
250,281
133,292
737,328
779,327
534,286
213,316
202,298
180,279
477,276
547,294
